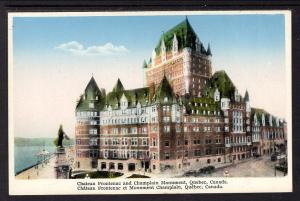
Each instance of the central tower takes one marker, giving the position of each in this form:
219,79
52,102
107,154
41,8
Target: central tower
182,58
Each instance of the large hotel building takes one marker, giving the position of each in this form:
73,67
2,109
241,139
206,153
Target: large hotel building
184,118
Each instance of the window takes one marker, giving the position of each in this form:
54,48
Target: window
167,155
106,141
186,142
153,109
124,130
207,140
115,154
196,141
154,142
166,129
166,119
178,130
133,130
218,139
93,122
93,153
93,142
208,151
105,154
115,131
144,141
219,150
91,105
124,141
197,152
78,141
167,143
93,131
78,153
134,141
144,129
166,108
185,129
115,141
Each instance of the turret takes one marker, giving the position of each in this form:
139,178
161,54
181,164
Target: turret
263,120
247,101
153,58
175,45
208,52
236,96
163,51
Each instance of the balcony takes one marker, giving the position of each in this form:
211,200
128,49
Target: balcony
239,144
227,145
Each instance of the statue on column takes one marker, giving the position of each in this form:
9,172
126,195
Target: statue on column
61,136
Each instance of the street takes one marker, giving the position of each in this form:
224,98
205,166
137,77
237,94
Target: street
260,167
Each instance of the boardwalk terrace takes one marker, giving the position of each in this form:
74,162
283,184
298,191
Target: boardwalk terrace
184,118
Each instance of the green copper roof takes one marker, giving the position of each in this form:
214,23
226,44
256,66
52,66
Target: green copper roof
91,94
201,106
185,34
259,113
119,86
145,65
164,90
221,81
133,96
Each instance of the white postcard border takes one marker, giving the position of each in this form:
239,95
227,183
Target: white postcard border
235,185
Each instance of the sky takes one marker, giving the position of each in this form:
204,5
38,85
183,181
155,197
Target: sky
55,57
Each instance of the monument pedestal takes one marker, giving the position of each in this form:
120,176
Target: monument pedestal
62,166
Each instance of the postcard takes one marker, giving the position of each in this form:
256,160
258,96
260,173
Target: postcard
149,102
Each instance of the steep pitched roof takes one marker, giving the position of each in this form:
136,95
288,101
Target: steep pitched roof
133,96
164,90
90,93
221,81
118,86
185,34
201,105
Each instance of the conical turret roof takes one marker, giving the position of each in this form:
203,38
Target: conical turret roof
246,97
208,52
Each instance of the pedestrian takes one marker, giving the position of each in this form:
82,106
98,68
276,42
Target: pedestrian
226,173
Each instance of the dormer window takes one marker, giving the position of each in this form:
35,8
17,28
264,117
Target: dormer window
91,105
166,99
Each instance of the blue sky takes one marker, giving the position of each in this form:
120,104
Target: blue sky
49,71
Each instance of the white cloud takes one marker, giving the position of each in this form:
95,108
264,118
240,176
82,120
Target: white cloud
79,49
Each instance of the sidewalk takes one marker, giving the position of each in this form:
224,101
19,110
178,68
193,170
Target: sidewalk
40,171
